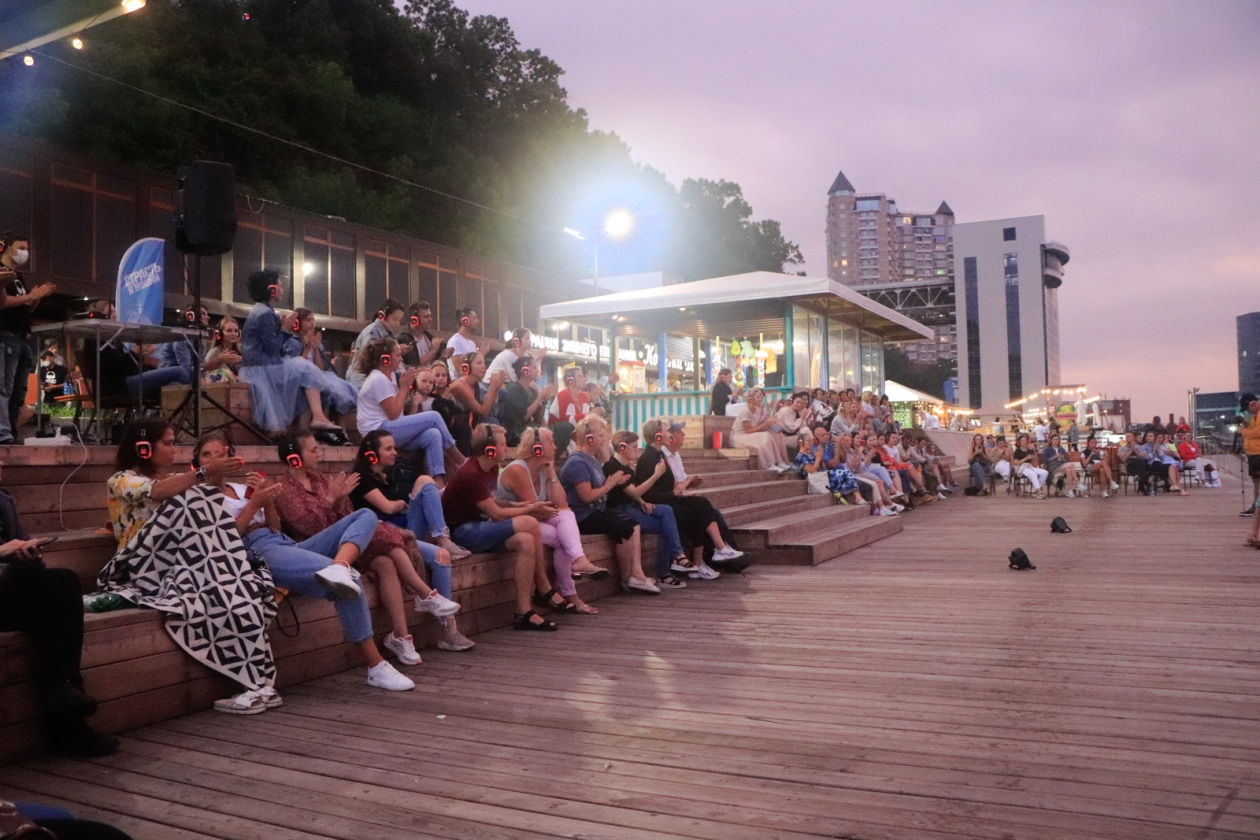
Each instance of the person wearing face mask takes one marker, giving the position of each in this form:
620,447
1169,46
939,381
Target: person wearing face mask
16,305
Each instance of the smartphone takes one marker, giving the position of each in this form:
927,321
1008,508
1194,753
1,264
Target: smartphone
46,541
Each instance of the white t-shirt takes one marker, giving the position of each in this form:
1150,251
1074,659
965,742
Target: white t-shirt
235,506
502,362
1039,432
460,346
376,387
675,461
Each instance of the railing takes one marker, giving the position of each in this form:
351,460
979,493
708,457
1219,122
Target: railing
631,411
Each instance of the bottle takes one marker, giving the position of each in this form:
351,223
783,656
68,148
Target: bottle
99,602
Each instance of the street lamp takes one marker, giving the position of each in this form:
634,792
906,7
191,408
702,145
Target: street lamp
618,224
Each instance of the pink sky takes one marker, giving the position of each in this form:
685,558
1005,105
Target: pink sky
1133,127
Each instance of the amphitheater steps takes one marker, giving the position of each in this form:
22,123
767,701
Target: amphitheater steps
814,536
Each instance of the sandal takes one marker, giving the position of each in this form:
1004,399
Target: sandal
522,622
594,574
584,609
1253,542
544,600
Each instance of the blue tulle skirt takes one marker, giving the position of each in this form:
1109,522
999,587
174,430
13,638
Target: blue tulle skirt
277,390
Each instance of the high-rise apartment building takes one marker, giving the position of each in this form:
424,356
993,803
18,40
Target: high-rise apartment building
1249,352
903,260
1008,276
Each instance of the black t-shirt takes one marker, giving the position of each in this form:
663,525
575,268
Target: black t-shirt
16,319
617,497
52,375
664,486
721,396
369,482
1021,454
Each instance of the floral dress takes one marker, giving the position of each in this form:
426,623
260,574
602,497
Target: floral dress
304,513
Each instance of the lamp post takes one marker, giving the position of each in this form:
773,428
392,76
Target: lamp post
618,224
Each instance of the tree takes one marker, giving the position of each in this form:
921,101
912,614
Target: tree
428,94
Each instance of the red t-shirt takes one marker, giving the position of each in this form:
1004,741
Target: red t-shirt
469,486
569,410
1187,450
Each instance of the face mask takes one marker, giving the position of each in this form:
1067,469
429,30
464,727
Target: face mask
20,257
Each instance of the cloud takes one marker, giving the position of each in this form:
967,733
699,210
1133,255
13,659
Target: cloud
1132,126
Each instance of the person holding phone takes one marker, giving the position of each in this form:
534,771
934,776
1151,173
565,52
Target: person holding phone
46,604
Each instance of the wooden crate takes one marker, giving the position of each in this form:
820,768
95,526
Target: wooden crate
234,395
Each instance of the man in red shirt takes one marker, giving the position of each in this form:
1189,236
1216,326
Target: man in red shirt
481,524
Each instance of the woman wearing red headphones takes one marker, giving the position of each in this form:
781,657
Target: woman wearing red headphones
381,402
476,401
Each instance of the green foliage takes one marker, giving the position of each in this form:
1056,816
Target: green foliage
930,379
426,93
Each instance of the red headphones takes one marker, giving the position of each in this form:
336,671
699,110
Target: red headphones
538,449
218,335
525,370
570,379
297,324
492,451
660,437
273,289
289,452
590,439
415,321
623,446
190,316
380,314
372,457
144,449
465,367
465,320
387,359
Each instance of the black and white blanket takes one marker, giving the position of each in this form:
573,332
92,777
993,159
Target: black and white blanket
189,562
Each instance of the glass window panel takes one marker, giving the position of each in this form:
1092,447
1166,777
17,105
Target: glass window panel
112,184
399,278
468,293
807,348
278,253
490,323
428,286
71,245
315,283
342,239
246,259
15,162
447,318
15,203
510,309
115,232
375,281
345,291
74,175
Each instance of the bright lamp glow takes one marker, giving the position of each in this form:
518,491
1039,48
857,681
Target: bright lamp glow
77,43
619,224
307,268
132,5
28,60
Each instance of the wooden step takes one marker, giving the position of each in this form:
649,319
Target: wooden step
761,491
737,515
815,548
731,477
784,529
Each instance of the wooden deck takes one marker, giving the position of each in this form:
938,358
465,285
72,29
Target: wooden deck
914,688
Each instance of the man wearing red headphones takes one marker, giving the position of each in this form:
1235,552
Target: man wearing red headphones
518,346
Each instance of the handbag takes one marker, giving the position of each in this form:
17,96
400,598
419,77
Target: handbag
817,483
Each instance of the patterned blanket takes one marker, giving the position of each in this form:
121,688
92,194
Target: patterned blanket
189,562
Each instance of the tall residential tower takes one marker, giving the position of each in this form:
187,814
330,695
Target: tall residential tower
902,260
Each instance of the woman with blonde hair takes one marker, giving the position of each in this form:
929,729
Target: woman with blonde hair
752,431
532,478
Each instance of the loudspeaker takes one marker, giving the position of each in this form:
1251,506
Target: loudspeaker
205,204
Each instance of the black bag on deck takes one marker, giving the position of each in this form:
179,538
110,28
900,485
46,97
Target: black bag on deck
1059,525
1019,560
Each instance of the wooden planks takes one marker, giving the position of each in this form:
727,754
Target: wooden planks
914,688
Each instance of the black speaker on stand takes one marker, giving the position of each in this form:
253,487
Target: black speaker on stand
205,224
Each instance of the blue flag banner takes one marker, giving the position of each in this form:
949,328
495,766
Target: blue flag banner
141,288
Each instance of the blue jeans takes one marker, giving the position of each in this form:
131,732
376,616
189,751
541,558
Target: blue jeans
16,364
423,517
483,536
426,430
662,523
151,381
293,565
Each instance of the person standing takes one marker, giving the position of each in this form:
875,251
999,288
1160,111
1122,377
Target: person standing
1251,445
722,393
16,306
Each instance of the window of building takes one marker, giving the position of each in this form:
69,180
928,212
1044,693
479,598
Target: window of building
329,284
971,287
263,240
16,185
1010,266
1014,356
93,223
1008,234
385,269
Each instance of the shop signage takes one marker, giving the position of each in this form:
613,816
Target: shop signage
1066,412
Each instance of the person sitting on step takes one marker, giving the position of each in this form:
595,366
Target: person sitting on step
312,501
532,478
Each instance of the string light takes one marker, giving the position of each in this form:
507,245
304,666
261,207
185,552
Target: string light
28,60
77,43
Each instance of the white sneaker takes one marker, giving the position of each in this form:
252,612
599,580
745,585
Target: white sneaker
704,572
383,675
727,553
1106,495
456,641
1069,495
437,605
1114,487
885,512
340,580
404,648
642,585
1081,488
940,497
896,508
457,552
776,468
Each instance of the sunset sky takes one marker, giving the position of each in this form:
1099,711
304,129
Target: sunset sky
1133,127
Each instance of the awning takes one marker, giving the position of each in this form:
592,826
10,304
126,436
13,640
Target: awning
896,392
705,307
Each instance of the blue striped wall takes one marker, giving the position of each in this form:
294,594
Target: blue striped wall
631,411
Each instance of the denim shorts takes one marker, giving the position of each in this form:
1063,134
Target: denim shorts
484,536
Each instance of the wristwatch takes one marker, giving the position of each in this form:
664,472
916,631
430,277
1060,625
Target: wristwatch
202,474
